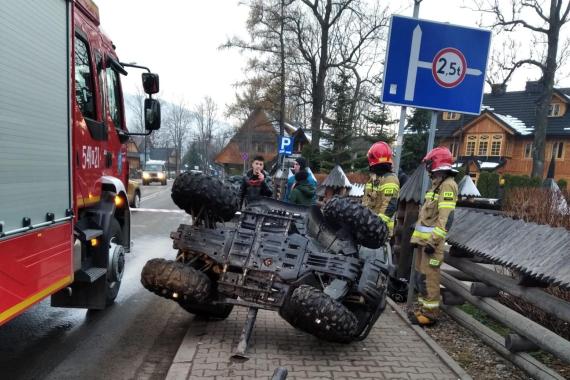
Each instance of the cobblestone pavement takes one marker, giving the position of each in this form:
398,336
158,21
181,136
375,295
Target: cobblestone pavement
393,350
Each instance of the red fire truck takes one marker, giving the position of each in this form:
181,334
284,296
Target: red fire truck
64,214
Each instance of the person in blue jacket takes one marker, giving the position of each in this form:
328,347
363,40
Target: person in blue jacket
300,165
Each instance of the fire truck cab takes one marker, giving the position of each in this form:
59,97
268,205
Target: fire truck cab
64,213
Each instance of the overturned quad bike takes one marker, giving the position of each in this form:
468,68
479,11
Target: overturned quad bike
324,272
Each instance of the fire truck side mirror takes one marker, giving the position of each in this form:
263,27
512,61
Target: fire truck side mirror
151,114
150,83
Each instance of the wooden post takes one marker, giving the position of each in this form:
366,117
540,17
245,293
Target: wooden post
483,290
517,343
451,299
524,361
547,302
541,336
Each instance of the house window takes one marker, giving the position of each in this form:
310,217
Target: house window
557,150
483,145
554,110
470,146
451,116
496,145
528,150
474,177
454,149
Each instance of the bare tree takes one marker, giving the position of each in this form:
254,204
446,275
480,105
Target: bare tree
267,27
545,25
178,120
221,139
205,114
330,38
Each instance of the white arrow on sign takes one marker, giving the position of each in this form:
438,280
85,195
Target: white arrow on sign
415,63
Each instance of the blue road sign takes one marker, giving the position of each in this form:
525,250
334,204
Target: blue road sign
285,144
435,66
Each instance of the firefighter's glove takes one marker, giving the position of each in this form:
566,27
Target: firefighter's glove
429,249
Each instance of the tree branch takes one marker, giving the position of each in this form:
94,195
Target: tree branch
537,8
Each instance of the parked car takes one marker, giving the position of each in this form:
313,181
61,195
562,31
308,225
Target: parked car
134,194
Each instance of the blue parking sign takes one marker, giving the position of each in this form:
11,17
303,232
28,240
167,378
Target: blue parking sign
435,66
285,144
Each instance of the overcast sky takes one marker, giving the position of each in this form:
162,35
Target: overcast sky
179,39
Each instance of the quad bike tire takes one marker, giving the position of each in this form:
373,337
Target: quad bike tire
192,191
207,310
165,277
368,229
312,311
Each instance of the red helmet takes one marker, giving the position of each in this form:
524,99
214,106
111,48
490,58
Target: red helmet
379,153
439,159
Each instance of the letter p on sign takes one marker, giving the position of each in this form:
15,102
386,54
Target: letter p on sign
285,145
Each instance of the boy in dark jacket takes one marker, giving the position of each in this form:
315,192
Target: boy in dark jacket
303,192
299,166
255,182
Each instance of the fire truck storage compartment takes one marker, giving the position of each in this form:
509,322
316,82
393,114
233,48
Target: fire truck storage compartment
34,114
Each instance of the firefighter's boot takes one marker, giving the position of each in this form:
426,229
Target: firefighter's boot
425,318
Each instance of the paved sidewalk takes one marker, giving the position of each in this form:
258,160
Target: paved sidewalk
393,350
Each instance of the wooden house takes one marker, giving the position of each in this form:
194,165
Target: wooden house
257,136
501,138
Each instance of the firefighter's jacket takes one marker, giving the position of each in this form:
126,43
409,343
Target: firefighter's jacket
381,196
436,214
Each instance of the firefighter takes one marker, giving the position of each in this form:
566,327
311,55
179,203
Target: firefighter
434,220
381,191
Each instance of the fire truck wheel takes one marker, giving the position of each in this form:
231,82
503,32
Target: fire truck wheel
367,228
192,191
175,280
206,310
116,266
312,311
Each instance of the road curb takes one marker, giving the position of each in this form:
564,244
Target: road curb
447,360
181,366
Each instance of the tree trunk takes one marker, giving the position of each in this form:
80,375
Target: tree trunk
319,86
355,98
539,145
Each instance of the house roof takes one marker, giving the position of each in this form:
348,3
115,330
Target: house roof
161,154
516,110
337,179
467,188
260,122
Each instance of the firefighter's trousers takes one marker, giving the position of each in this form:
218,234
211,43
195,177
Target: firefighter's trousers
428,279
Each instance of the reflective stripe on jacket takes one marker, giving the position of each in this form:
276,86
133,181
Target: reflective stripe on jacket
381,196
436,214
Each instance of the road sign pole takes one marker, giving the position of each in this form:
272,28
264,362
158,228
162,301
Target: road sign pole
431,140
399,140
400,137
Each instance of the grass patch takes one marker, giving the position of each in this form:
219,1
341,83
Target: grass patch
485,319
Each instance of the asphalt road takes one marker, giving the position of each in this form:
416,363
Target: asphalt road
136,338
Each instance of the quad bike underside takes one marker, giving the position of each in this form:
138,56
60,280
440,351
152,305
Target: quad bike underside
279,257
